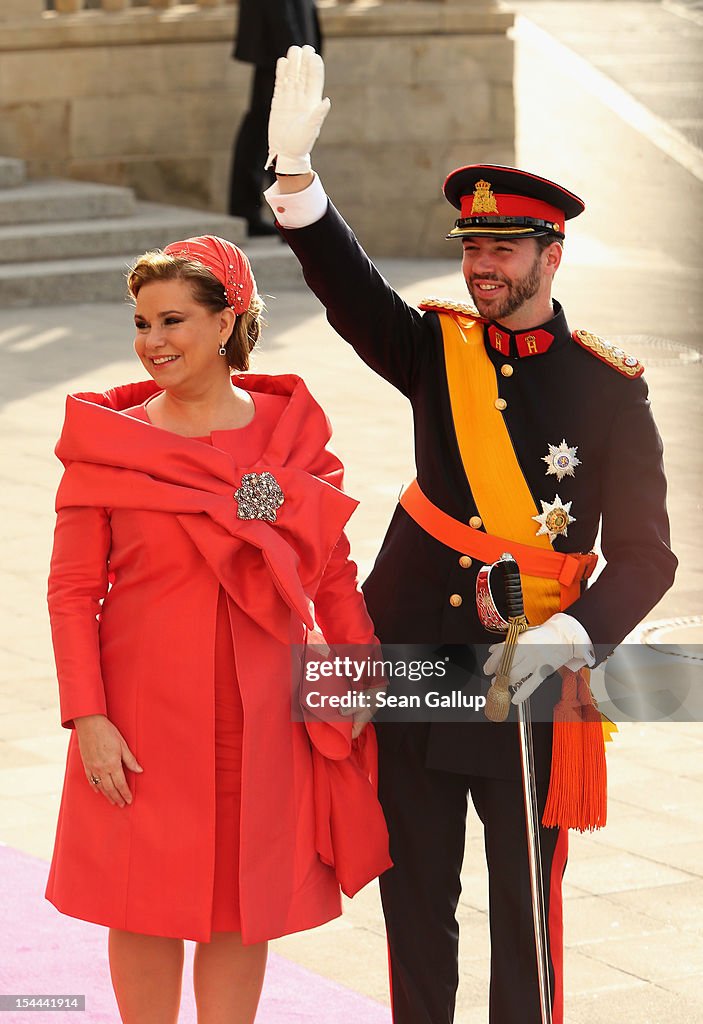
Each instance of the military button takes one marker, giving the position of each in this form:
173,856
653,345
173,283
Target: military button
475,522
455,600
465,562
500,404
507,370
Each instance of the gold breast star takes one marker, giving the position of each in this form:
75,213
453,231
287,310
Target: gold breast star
555,518
561,460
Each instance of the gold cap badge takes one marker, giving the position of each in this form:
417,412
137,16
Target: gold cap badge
484,200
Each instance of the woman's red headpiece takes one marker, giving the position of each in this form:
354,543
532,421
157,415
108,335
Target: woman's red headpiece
226,261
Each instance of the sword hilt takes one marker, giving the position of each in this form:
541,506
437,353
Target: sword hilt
498,697
513,588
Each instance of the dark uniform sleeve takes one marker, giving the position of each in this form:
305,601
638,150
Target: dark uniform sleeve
634,532
388,334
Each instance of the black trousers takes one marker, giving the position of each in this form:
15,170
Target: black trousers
248,177
426,814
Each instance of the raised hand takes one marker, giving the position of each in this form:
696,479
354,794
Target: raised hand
297,110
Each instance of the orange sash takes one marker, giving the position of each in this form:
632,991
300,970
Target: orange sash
567,569
502,497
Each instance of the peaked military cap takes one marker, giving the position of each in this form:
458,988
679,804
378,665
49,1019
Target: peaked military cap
503,202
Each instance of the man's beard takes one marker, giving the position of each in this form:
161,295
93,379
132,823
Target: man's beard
518,291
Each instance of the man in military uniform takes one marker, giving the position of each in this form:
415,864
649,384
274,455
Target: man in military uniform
525,434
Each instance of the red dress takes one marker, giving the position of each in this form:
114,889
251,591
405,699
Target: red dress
229,711
189,650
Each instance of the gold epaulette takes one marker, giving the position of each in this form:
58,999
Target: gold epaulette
627,365
447,306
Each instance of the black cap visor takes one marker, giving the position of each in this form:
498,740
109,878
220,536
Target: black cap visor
508,227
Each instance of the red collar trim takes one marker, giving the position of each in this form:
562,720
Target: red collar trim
528,343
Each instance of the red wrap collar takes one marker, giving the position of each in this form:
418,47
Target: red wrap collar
113,460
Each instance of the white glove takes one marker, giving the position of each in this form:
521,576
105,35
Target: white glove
297,110
559,642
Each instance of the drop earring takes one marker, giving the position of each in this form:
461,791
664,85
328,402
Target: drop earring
222,350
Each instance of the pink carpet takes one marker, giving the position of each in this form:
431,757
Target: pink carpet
43,952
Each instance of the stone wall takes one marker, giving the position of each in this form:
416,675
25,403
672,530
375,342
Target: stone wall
150,98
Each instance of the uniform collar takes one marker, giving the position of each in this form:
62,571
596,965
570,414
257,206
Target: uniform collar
533,342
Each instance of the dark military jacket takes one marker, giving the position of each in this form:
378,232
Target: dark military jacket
563,393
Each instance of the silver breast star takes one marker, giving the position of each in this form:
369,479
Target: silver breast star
554,519
561,460
258,497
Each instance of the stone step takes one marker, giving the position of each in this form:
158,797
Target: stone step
102,278
53,200
57,282
151,225
12,172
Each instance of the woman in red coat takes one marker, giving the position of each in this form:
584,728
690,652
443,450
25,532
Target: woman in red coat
199,536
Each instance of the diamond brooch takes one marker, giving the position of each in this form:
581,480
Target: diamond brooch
258,497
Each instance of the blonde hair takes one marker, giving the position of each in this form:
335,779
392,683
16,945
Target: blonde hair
157,265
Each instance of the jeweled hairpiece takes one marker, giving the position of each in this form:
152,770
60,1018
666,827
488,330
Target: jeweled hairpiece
223,259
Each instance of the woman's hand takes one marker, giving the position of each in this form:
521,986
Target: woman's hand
363,716
104,751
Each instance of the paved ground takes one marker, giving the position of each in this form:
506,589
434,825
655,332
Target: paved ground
634,938
650,49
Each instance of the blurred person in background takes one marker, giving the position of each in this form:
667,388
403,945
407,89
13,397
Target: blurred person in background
265,30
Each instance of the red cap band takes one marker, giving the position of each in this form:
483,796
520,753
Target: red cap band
515,206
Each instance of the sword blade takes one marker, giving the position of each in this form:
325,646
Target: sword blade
532,824
516,612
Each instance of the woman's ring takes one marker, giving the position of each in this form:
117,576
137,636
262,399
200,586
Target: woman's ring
95,780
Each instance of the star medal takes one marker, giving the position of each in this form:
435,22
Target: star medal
561,460
554,519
